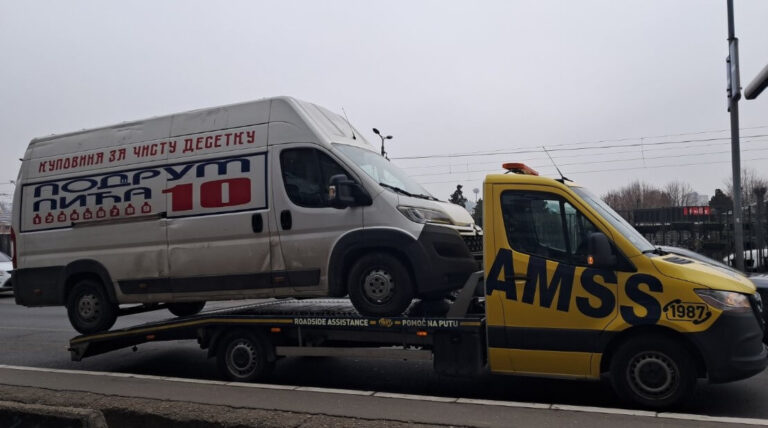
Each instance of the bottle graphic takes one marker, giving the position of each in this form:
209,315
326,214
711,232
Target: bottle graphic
87,214
49,218
101,213
36,219
130,210
114,211
146,208
74,216
61,217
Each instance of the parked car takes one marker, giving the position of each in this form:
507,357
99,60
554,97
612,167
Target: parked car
5,273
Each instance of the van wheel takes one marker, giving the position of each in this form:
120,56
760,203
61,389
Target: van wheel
380,285
242,356
89,308
185,309
653,371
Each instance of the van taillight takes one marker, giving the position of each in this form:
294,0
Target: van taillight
13,248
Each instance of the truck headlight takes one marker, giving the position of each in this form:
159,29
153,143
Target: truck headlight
424,215
725,300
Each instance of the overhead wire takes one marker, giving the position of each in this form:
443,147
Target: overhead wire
591,171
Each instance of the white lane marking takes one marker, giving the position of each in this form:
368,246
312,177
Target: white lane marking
503,403
585,409
718,419
203,381
608,410
261,385
416,397
13,327
334,390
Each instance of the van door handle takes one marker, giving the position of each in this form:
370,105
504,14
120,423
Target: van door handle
285,220
257,224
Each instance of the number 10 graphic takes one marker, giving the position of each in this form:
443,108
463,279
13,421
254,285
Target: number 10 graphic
213,194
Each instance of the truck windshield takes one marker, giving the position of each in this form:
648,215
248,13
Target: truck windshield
383,171
615,219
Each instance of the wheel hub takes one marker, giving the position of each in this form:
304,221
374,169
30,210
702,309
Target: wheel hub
653,375
378,285
88,306
242,358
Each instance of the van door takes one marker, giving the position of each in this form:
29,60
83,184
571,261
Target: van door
306,223
218,227
555,307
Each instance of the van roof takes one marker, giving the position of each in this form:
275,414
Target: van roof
326,123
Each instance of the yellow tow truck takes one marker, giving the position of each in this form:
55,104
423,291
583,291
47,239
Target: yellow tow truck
570,290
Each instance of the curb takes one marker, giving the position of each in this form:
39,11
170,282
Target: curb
20,414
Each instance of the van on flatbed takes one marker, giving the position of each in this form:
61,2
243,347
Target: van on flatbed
570,290
271,198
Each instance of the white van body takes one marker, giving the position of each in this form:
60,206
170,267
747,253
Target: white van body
226,203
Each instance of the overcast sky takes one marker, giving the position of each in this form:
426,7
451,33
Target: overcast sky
443,77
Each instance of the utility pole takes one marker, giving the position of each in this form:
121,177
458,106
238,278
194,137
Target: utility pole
760,196
734,94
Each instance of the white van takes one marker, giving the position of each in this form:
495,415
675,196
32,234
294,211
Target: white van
271,198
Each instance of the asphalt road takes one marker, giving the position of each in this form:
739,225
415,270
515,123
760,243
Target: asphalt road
38,337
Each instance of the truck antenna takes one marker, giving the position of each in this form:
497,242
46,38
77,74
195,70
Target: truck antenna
349,124
562,177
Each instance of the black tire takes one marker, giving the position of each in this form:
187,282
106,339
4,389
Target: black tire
242,356
185,309
653,371
380,285
89,308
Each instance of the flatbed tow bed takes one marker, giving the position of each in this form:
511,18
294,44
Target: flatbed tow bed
248,339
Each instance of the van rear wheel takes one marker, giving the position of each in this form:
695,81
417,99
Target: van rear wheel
653,371
185,309
89,308
380,285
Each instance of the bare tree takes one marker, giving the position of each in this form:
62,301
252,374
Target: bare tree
750,180
637,195
680,193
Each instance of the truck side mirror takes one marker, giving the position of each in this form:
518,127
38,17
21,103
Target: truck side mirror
343,193
600,251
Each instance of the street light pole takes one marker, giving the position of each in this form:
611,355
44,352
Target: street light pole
388,137
734,94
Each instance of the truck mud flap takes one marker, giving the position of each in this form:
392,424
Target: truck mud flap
458,354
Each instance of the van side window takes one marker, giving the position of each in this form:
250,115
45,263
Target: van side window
306,174
546,225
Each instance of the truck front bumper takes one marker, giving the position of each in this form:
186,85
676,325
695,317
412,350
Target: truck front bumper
733,347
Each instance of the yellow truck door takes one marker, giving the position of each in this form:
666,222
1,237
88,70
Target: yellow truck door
547,308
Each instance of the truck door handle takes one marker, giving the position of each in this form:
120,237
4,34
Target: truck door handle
257,224
285,220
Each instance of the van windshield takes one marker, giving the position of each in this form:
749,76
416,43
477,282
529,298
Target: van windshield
383,171
617,221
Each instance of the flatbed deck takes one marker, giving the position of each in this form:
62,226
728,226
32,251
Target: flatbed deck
321,327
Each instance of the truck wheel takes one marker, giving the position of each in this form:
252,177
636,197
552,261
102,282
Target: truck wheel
653,371
185,309
380,285
89,308
242,356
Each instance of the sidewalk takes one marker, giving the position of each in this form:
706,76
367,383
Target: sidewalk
133,400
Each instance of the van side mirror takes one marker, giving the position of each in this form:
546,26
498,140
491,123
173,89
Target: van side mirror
343,193
600,251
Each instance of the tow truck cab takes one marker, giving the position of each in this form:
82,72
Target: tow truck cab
573,290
